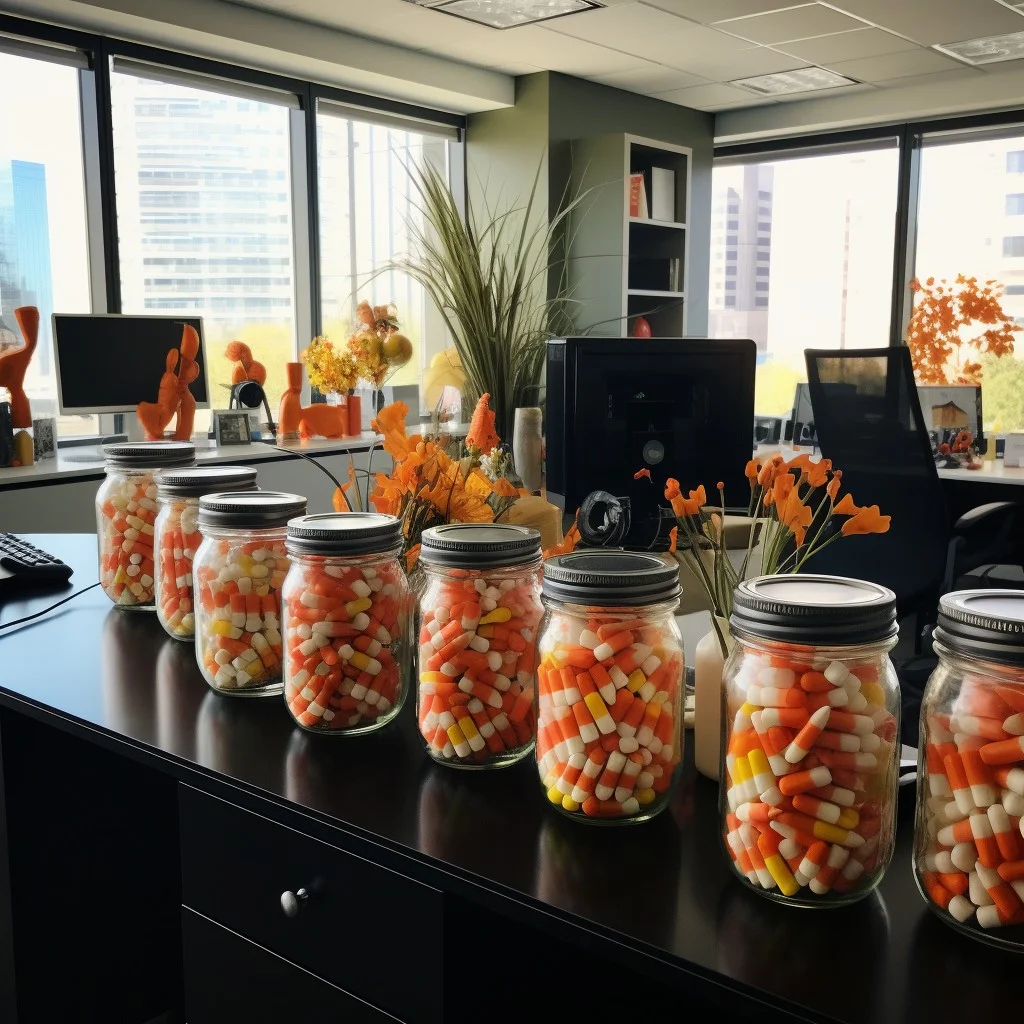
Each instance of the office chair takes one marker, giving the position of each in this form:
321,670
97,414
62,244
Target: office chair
869,423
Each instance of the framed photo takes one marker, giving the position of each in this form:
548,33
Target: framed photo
231,426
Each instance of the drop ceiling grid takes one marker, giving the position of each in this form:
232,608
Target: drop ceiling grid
689,51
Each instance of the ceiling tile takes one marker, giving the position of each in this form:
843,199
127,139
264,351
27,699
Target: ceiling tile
795,23
516,69
823,94
706,96
863,42
757,60
895,65
937,21
646,32
650,78
750,101
707,11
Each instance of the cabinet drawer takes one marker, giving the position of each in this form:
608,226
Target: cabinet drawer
362,927
230,979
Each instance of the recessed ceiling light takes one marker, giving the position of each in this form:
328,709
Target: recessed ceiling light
508,13
801,80
988,49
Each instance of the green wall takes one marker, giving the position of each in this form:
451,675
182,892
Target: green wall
504,146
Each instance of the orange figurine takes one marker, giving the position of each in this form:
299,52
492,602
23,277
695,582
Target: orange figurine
188,371
13,365
482,435
154,416
245,368
319,418
173,395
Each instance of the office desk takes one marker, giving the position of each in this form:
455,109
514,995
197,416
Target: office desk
153,824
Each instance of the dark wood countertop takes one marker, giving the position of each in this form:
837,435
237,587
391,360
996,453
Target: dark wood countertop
659,896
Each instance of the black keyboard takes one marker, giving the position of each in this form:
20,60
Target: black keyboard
24,564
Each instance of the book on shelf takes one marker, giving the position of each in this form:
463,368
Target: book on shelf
663,194
637,196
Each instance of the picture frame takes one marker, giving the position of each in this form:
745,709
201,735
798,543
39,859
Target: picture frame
231,426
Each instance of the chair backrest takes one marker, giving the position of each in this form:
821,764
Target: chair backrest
868,419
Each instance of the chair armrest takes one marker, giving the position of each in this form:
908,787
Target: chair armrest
979,515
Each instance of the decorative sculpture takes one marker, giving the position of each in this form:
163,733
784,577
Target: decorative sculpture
245,368
173,394
294,418
13,365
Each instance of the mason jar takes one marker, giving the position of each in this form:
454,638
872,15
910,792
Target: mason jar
609,685
479,612
177,536
968,842
810,762
346,622
238,574
125,515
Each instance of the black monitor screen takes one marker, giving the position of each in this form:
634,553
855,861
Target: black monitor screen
111,363
679,408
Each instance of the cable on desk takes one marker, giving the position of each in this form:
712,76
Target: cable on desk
56,604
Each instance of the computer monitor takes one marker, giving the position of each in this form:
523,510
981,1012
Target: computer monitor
110,362
678,407
951,407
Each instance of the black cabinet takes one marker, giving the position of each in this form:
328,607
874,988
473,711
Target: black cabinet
357,925
230,979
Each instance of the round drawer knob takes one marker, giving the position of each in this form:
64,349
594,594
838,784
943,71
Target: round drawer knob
291,902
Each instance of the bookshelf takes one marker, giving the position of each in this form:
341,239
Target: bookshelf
624,265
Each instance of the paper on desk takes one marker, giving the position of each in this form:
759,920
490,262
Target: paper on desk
1013,453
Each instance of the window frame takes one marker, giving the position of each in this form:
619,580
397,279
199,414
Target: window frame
98,154
910,138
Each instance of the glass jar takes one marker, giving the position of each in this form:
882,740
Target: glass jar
346,622
125,513
479,612
177,536
609,685
810,762
238,571
968,843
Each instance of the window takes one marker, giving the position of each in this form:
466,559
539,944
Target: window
730,302
841,208
730,286
1013,245
732,240
733,208
959,232
44,255
204,218
732,225
367,203
730,271
731,255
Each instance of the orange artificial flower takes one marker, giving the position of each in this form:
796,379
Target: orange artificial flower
641,474
673,539
847,506
784,485
795,515
390,422
671,488
482,436
867,520
817,475
504,489
753,467
339,502
690,506
834,484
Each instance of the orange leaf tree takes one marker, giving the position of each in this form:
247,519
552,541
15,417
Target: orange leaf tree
954,325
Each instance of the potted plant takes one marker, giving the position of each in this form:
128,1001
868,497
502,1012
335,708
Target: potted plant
497,282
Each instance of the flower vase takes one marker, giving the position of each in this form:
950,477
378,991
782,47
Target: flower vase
354,405
527,448
709,666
